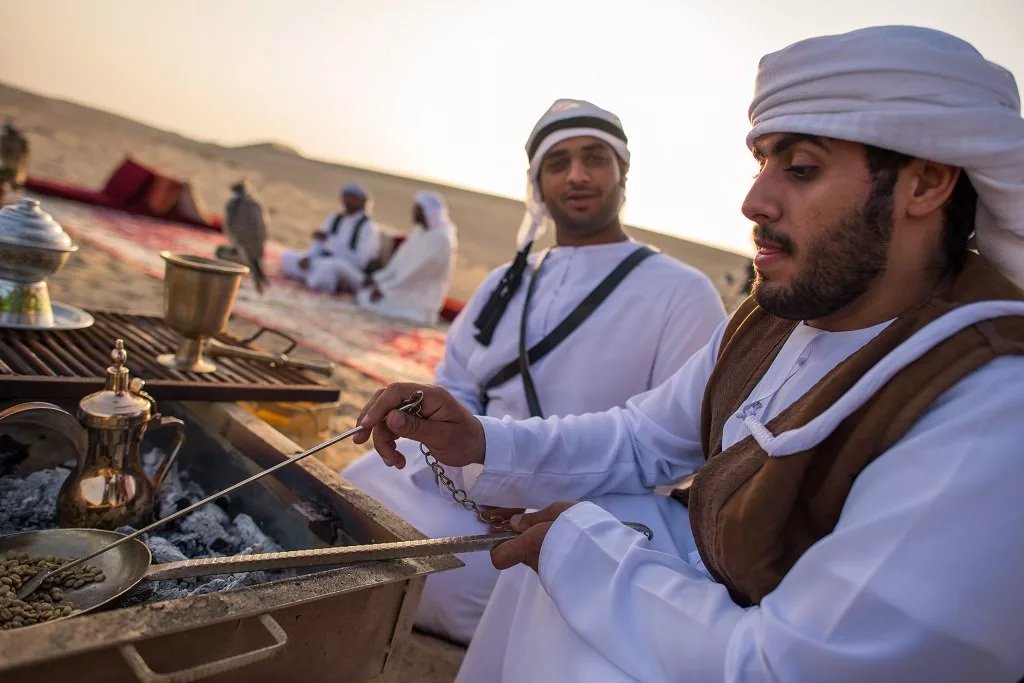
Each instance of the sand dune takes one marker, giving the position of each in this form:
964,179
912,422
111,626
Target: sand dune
82,145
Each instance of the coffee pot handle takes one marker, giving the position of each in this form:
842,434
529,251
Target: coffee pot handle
159,421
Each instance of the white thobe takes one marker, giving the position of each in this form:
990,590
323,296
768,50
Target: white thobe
332,261
657,317
414,281
918,581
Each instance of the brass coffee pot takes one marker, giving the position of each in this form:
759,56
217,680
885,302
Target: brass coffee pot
109,487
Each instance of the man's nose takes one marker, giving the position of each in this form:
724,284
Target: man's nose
762,204
578,172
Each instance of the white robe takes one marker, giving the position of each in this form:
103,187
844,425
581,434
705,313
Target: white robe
920,580
414,282
331,261
648,327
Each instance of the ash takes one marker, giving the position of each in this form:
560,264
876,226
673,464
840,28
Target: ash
29,503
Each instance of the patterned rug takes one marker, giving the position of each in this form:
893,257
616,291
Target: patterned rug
381,348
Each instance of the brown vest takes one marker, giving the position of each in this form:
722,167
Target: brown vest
753,516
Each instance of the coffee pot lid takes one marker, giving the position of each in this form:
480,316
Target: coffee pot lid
25,224
121,403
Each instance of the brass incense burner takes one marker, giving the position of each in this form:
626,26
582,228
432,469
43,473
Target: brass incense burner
33,247
109,487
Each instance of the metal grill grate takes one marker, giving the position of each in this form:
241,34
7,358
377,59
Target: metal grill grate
70,364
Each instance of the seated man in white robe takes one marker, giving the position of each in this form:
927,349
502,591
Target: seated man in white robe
413,283
578,159
855,426
342,248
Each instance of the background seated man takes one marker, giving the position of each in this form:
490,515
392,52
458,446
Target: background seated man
413,283
342,248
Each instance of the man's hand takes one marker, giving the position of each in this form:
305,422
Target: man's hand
499,515
376,295
444,425
533,528
319,235
304,263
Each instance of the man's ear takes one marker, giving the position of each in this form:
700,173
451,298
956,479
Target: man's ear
623,170
931,185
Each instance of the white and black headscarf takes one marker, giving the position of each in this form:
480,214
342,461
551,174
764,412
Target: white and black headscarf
565,119
916,91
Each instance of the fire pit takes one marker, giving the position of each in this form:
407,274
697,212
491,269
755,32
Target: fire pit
341,624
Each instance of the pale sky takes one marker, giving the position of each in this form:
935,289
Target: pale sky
449,90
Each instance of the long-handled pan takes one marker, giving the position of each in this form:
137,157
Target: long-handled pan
129,563
125,561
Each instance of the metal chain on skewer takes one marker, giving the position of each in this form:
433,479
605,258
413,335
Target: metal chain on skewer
458,495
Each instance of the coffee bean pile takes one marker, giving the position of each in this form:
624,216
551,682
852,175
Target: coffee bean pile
48,602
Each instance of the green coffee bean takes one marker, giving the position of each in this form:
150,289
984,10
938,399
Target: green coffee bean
49,601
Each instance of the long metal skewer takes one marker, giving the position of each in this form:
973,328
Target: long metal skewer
32,584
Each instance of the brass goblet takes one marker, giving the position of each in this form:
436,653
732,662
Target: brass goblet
198,295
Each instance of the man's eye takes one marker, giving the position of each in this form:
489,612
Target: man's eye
598,159
802,172
556,166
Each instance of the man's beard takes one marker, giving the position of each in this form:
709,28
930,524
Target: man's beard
584,226
839,265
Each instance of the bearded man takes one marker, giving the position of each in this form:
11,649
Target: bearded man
854,426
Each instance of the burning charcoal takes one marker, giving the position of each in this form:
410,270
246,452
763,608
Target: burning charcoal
163,550
212,586
221,546
250,534
205,525
30,502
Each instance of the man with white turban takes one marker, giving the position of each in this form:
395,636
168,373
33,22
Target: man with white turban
344,246
855,426
578,159
413,283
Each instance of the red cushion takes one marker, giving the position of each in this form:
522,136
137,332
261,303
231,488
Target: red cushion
450,309
161,195
128,183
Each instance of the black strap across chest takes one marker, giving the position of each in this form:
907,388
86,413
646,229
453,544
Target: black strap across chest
354,239
590,303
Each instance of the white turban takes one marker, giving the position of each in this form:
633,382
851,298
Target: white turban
435,212
356,190
563,120
916,91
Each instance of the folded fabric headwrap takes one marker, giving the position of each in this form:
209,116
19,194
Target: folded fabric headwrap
356,190
435,211
916,91
563,120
